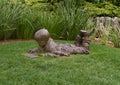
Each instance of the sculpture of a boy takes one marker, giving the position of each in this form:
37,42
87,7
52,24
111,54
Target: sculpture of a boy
47,46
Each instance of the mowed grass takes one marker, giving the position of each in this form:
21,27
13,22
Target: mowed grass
100,67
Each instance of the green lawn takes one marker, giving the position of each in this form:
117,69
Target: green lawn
100,67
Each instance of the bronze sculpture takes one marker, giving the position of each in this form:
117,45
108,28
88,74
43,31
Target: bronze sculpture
82,40
47,46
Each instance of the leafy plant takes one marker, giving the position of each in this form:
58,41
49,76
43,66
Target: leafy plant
16,20
9,15
103,9
74,18
115,36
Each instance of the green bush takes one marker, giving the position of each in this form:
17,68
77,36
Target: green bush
15,19
74,17
20,21
103,9
9,15
37,4
115,38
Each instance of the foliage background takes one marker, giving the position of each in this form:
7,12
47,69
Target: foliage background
63,18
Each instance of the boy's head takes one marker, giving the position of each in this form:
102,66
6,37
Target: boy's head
42,36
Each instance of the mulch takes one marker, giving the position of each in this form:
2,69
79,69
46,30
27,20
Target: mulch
97,41
13,40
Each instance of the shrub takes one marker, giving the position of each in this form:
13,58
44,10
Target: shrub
21,21
9,15
15,20
74,18
115,36
103,9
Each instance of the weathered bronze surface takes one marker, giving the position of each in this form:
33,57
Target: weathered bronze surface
47,46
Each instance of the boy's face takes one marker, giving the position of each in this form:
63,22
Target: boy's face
43,42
